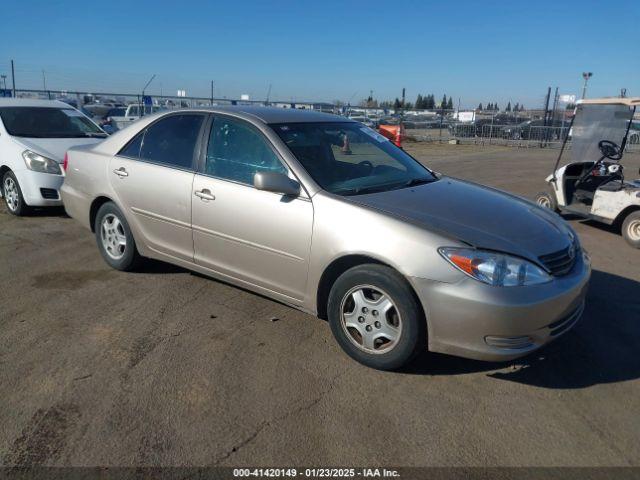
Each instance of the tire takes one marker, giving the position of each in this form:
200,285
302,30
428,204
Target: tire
13,197
631,229
547,200
403,319
114,238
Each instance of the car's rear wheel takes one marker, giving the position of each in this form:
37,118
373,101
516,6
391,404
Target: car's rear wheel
376,318
13,195
114,238
547,200
631,229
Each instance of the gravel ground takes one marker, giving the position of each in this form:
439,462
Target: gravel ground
165,367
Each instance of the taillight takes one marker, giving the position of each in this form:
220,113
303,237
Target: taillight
66,161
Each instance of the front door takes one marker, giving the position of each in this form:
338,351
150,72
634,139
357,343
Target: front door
259,237
153,178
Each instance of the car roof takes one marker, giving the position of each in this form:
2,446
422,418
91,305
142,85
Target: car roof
266,115
629,101
274,114
31,102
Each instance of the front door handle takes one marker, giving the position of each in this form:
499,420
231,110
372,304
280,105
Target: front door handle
121,172
204,194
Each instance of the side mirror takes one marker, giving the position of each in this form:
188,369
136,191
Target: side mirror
277,183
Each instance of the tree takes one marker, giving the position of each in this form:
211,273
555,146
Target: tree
443,104
419,102
496,108
450,104
397,104
480,106
508,109
430,103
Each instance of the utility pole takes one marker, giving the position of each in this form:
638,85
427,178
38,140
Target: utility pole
586,76
4,82
44,81
13,79
211,92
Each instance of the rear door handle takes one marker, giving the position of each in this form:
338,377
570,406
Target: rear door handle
121,172
204,194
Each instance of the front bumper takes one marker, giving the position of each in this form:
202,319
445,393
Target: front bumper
40,189
474,320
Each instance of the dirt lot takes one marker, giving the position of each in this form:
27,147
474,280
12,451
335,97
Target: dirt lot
164,367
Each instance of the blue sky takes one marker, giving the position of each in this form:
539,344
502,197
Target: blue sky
478,51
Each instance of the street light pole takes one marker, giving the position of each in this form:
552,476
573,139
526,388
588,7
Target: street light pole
145,87
586,76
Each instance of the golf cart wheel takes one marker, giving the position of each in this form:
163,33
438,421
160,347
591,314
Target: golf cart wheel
547,200
631,229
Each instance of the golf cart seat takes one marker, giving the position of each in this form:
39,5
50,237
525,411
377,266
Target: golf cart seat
586,188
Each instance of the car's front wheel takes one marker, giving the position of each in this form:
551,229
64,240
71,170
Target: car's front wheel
631,229
375,317
114,238
13,195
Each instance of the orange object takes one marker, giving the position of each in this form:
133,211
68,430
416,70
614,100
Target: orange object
395,133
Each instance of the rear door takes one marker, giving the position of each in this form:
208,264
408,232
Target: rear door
260,237
152,177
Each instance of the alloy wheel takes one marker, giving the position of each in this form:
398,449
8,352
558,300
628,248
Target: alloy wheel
11,195
370,319
114,240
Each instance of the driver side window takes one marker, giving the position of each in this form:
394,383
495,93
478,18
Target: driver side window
237,152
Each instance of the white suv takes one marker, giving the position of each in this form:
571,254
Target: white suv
34,137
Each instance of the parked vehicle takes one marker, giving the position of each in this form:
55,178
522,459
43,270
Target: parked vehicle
34,136
537,130
593,185
107,122
99,108
326,215
131,114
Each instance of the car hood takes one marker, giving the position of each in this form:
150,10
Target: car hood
479,216
54,148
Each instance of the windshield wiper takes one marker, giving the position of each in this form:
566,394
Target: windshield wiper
419,181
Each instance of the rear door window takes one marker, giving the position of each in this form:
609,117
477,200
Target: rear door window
170,141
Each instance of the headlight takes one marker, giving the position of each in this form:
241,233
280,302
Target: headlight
497,269
38,163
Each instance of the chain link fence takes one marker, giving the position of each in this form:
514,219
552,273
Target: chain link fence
517,129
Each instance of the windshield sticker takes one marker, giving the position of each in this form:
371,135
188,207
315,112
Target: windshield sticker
375,135
72,113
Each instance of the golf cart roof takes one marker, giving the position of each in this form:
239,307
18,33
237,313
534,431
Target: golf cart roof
630,102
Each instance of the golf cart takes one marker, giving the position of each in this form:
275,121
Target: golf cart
593,185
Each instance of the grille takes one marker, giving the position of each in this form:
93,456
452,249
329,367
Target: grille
560,263
49,193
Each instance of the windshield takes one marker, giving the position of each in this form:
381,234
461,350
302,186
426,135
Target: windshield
47,122
351,159
596,122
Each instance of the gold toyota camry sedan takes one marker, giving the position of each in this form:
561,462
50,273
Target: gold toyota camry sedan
326,215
